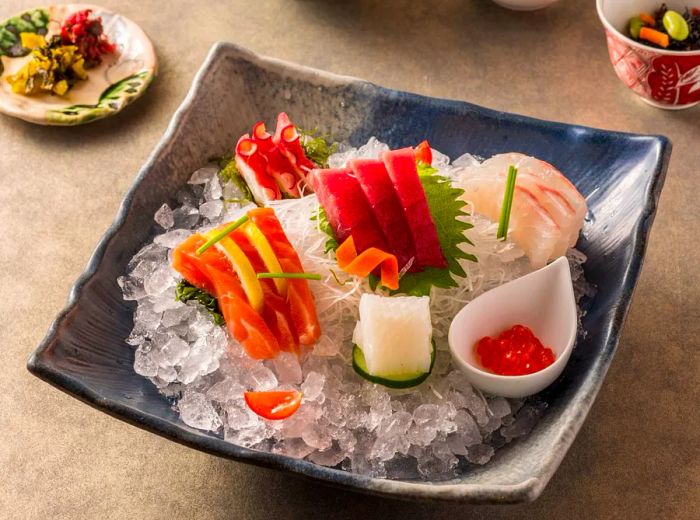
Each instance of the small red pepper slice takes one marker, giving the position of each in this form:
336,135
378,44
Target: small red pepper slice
274,404
424,153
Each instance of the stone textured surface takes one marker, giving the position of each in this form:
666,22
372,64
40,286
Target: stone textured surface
638,454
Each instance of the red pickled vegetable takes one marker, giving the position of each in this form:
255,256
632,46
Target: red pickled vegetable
88,35
275,404
515,352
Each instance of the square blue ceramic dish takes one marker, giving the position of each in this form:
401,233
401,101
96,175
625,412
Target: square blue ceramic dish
621,175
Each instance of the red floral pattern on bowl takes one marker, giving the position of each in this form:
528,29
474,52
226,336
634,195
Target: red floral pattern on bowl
663,79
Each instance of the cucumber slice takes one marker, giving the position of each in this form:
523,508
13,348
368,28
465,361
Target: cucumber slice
399,381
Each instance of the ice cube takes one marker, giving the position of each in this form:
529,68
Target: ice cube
440,160
131,289
316,435
172,317
202,359
202,175
227,390
479,454
372,148
287,368
186,217
196,411
144,364
466,160
212,190
173,238
296,448
173,352
159,281
164,217
211,209
312,388
239,416
259,378
330,457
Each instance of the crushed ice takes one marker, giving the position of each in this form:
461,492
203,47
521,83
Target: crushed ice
435,429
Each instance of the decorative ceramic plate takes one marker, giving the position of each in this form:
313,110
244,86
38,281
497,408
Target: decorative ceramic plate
120,79
621,176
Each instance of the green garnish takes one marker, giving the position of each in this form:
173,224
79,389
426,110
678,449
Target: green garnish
317,147
222,234
325,227
228,172
305,276
507,203
185,291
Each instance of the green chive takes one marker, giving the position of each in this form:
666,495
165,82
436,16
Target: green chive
306,276
507,203
222,234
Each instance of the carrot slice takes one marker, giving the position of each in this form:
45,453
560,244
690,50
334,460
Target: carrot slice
654,36
424,153
647,19
363,264
275,404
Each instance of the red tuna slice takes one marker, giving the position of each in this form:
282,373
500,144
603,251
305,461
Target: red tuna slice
348,211
401,167
382,198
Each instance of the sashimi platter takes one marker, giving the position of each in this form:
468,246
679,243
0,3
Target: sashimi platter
371,309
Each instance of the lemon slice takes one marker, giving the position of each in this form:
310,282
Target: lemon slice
261,244
243,268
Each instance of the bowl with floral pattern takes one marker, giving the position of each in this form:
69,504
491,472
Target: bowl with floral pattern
663,78
72,64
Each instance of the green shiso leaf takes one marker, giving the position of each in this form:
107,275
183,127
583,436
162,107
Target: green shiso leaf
185,291
448,211
324,226
317,147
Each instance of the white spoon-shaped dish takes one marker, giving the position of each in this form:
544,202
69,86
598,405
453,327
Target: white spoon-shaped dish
544,301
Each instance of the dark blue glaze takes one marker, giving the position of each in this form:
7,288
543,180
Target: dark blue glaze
84,352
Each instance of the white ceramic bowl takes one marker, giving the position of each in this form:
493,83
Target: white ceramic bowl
524,5
544,301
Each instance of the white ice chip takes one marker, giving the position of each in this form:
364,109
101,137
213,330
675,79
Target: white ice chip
395,334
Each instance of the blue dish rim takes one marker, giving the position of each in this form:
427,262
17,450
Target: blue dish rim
525,491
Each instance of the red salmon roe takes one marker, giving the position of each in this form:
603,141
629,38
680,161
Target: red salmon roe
515,352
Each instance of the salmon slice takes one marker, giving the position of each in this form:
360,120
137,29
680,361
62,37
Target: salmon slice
401,167
211,271
531,226
246,325
302,306
379,191
186,262
346,206
275,309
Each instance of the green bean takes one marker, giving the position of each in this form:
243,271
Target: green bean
636,25
675,25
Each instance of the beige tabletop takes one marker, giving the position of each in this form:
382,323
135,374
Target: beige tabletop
637,455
